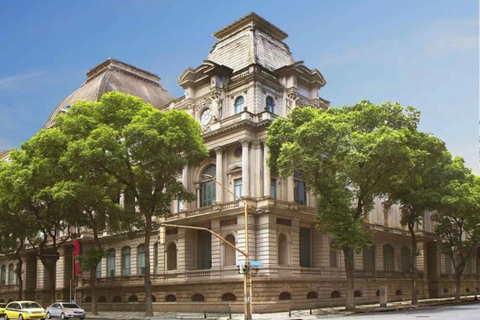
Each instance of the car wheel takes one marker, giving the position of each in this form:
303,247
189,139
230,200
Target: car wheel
49,315
62,316
20,317
6,318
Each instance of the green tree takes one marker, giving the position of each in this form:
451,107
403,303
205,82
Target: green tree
458,219
417,186
13,226
347,156
39,187
142,148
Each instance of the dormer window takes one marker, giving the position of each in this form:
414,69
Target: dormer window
239,103
269,104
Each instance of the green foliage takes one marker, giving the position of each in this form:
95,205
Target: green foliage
91,257
347,157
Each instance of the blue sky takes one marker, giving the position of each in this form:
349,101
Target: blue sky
419,53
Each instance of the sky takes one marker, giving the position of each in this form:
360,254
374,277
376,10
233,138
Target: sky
421,53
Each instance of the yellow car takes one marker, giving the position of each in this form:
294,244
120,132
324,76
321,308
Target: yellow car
2,308
24,310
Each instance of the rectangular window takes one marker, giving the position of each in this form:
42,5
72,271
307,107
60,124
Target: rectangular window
155,258
305,248
99,270
204,250
300,193
273,188
369,258
237,188
448,264
208,193
180,205
111,265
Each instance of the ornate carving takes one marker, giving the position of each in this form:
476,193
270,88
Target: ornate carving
216,105
256,144
292,97
219,149
245,142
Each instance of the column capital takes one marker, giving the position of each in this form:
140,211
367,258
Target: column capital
256,144
245,142
219,150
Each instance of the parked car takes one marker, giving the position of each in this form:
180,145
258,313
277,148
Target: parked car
24,310
65,310
2,308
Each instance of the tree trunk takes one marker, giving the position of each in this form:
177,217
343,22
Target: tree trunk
413,263
349,302
20,278
50,265
148,283
93,289
458,280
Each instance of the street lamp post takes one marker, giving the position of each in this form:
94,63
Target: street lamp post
247,273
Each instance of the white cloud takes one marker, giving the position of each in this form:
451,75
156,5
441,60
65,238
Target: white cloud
16,82
446,37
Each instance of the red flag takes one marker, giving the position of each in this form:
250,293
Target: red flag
76,253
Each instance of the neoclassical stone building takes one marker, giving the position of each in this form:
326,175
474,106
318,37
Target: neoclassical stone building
248,79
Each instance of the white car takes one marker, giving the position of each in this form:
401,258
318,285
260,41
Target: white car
65,310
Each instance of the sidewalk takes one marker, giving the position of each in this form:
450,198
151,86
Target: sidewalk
320,313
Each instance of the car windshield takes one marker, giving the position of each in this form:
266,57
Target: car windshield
71,305
30,305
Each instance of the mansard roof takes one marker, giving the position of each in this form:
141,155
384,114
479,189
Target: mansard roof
201,74
251,40
115,75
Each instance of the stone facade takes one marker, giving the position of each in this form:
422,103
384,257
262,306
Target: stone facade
248,80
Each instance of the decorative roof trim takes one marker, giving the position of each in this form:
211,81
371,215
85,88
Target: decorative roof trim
252,19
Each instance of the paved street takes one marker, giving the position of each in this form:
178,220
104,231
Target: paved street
462,312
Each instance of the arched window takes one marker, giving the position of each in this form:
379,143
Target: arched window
3,276
269,104
357,293
282,250
305,248
388,258
398,292
239,103
141,259
369,258
110,264
230,259
208,186
300,190
170,298
155,258
335,294
11,274
468,266
406,254
284,296
198,297
333,255
126,261
154,299
133,298
172,256
87,299
229,297
312,295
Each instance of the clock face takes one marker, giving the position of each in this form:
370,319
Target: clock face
205,117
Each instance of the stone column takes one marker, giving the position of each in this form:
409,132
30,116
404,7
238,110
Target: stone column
197,194
257,183
245,167
185,174
219,174
266,172
290,189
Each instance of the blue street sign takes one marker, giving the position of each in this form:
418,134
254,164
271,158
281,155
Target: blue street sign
256,263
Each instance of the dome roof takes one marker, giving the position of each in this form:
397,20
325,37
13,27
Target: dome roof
115,75
251,40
